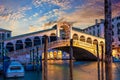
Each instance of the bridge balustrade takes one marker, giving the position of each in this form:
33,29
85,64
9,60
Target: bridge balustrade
59,43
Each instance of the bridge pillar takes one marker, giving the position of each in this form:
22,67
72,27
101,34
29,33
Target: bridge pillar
32,43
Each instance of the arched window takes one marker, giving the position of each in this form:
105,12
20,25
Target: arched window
36,41
28,43
75,36
19,44
95,42
10,47
101,43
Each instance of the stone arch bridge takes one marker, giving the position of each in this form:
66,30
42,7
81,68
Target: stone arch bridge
84,45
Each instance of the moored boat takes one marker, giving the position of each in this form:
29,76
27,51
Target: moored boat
15,69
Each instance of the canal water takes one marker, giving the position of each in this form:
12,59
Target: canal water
59,70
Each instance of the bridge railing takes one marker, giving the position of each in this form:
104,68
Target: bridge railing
40,47
55,44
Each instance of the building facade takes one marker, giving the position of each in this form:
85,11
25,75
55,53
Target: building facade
4,34
98,30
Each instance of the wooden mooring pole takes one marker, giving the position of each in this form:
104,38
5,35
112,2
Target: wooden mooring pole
33,59
108,40
71,57
45,58
98,61
102,62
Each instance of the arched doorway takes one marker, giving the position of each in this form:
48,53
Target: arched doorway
89,40
82,38
53,37
51,55
59,55
95,42
10,47
28,43
36,41
19,44
101,43
75,36
64,30
55,54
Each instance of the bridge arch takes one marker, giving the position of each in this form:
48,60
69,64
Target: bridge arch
10,46
37,41
19,44
79,53
89,40
82,38
75,36
28,43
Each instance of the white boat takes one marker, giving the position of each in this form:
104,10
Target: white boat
15,69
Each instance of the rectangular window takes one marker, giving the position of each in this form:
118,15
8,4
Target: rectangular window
3,36
8,35
93,32
119,38
118,31
0,45
0,36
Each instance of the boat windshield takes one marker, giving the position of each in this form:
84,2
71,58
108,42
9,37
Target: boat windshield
15,68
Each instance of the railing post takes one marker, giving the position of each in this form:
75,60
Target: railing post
102,60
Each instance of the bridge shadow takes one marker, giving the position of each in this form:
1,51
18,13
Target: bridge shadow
79,54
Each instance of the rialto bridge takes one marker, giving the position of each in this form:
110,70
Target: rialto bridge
84,45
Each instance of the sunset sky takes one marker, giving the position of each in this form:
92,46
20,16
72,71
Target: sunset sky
23,16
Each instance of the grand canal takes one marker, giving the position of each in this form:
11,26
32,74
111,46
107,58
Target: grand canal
59,70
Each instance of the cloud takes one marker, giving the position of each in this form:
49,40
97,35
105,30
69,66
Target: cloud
116,9
43,18
1,8
44,26
65,4
35,15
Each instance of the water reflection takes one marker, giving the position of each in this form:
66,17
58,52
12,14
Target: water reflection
29,75
81,70
59,70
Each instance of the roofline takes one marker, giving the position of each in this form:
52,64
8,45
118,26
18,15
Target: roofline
1,29
27,34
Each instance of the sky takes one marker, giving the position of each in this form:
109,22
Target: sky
24,16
